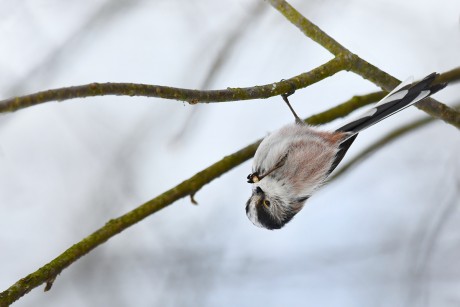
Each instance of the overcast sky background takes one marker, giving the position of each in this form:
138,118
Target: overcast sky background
385,234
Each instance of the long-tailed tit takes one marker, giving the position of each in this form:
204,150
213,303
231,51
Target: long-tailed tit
294,161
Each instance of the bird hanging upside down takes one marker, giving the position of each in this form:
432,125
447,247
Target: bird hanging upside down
294,161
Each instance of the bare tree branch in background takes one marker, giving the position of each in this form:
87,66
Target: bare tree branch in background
46,68
220,57
429,230
106,13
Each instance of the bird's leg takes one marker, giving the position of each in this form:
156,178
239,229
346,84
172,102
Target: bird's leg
285,98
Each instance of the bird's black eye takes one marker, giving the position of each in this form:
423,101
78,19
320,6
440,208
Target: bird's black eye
266,203
259,190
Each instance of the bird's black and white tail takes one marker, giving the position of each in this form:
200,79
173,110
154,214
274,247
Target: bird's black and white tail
403,96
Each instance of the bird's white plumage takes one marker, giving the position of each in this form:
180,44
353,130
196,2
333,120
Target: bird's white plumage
423,94
297,142
392,97
289,185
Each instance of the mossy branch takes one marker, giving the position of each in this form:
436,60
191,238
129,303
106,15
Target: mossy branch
188,187
363,68
192,96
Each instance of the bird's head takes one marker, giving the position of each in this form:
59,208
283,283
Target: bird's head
271,210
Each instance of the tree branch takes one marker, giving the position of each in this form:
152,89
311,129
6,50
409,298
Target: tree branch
390,137
388,82
343,109
192,96
308,28
188,187
344,60
363,68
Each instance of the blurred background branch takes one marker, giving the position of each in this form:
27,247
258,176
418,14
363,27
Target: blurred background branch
221,57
